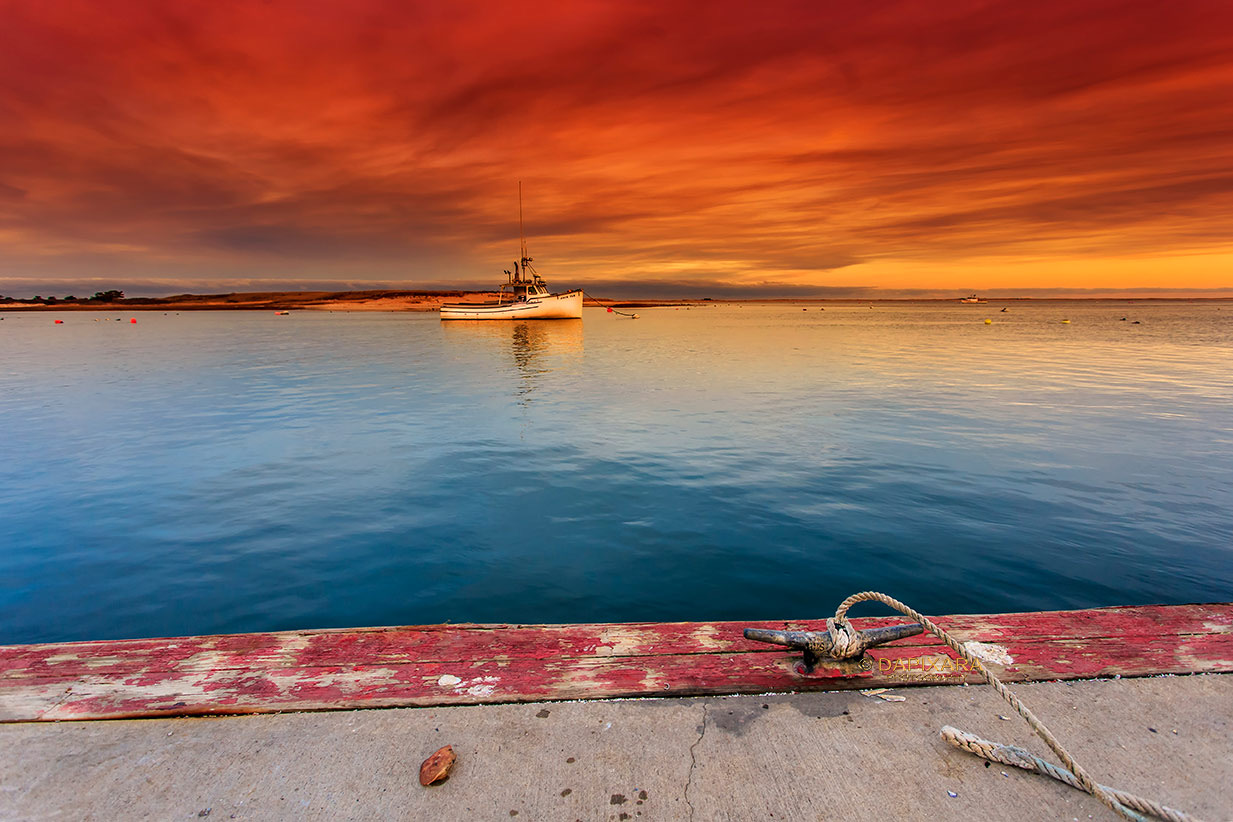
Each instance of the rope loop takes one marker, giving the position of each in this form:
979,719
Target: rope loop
845,641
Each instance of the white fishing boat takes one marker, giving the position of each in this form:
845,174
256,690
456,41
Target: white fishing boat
523,296
972,299
521,299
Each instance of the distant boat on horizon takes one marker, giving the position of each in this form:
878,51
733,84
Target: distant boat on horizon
972,299
527,293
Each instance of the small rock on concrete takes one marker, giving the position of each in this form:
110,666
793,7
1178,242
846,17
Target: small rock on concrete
437,767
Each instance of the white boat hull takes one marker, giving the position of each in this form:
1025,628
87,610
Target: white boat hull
567,306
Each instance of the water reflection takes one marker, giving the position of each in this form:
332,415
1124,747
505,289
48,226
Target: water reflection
389,469
538,347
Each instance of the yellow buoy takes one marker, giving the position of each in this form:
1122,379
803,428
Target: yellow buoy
988,322
1066,321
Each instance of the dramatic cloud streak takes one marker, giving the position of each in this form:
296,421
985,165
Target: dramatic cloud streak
792,146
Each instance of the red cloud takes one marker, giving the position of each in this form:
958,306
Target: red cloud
226,136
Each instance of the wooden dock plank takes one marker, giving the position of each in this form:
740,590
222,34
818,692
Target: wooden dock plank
467,664
432,643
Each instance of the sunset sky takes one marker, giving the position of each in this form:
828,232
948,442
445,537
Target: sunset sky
693,149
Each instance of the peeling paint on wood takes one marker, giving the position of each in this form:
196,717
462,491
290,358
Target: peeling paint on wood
988,652
470,664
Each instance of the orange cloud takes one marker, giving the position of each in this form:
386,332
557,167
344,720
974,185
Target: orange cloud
796,146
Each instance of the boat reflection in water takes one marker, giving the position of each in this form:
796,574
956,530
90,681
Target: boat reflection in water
538,347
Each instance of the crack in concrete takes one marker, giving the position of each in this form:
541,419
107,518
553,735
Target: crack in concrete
693,762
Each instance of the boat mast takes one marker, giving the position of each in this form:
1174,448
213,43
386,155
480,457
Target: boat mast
525,261
522,237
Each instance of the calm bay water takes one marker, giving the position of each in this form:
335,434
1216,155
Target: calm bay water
240,471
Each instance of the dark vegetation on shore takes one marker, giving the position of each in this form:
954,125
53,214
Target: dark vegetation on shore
99,297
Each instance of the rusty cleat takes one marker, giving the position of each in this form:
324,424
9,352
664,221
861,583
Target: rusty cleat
819,646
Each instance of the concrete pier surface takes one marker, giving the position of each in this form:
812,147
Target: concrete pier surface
815,756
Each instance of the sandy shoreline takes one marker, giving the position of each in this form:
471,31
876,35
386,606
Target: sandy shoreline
300,300
426,301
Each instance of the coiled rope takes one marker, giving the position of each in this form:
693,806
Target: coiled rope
1127,806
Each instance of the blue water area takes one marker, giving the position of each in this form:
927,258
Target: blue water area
240,471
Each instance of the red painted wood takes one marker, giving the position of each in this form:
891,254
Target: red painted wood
465,641
378,667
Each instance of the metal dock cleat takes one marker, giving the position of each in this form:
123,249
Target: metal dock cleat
836,644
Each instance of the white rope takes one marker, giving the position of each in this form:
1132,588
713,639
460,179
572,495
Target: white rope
1028,761
841,638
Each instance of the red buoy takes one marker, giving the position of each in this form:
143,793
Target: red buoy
134,320
59,321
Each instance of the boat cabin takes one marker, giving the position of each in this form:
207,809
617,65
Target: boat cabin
523,284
